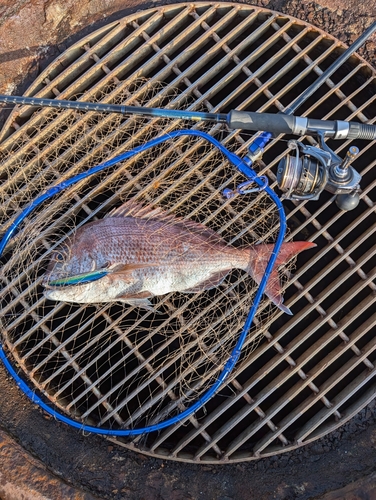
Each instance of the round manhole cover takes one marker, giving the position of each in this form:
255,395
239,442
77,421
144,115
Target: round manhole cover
117,367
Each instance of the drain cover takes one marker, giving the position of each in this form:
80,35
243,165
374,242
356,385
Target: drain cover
305,375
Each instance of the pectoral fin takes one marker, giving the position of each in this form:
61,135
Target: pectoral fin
130,267
213,281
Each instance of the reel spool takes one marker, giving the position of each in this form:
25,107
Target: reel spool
312,170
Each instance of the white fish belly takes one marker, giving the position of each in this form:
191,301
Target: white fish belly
182,280
157,281
90,293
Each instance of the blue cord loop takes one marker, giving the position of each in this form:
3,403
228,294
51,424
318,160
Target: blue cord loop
245,168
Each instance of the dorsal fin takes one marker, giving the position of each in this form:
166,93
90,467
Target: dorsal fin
203,231
134,209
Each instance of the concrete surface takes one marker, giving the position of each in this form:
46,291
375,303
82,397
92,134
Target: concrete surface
24,477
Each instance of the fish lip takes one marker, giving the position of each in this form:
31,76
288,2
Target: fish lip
47,294
45,282
50,287
50,295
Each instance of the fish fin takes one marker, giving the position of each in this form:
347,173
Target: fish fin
130,267
136,296
260,255
197,229
134,209
90,276
214,280
138,300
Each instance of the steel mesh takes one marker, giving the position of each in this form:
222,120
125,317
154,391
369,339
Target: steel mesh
297,379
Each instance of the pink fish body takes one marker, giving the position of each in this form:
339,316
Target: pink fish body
149,253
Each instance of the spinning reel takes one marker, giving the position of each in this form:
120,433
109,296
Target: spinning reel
315,169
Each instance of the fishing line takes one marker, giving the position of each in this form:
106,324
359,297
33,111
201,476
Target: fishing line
244,167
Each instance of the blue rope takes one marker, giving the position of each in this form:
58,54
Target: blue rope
245,169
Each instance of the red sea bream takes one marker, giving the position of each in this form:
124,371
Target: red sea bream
144,252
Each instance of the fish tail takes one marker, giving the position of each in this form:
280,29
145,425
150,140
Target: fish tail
260,255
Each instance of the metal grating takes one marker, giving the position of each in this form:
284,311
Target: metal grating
314,371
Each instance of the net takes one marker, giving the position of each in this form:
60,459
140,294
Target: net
112,365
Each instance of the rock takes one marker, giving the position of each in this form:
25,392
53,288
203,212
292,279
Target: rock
22,476
362,489
55,13
29,30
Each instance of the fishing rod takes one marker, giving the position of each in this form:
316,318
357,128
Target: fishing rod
280,123
301,177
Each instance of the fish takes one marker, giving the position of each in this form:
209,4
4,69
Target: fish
138,252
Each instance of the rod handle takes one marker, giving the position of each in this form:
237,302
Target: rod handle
250,120
280,123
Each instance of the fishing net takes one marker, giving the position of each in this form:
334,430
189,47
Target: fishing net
114,366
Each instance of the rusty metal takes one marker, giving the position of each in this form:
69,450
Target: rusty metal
316,370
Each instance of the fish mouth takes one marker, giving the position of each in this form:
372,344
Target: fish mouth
55,294
47,279
45,284
48,294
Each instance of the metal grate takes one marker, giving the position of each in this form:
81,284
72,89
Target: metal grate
312,372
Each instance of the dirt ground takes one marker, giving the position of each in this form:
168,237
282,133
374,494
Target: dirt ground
340,466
